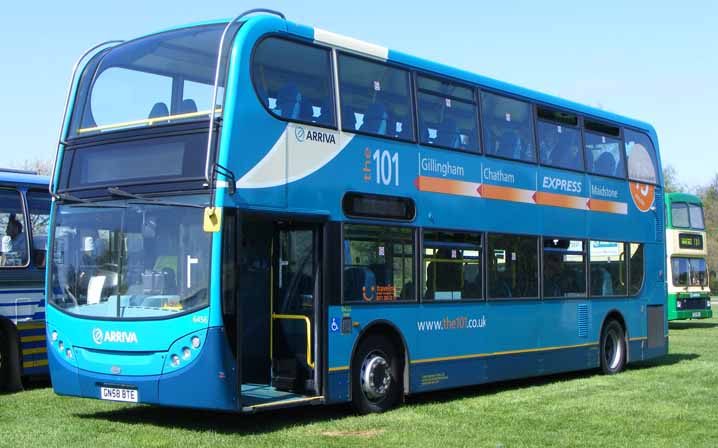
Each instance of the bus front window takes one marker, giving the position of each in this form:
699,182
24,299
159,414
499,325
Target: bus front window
159,79
689,272
129,261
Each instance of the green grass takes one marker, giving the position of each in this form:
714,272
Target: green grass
672,401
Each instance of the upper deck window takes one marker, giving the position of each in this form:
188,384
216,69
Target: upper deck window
13,234
603,153
375,98
687,216
160,79
448,114
559,139
508,127
641,157
294,81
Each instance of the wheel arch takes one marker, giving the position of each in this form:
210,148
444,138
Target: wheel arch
385,328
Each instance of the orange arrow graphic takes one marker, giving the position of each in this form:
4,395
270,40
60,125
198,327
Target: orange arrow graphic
506,193
446,186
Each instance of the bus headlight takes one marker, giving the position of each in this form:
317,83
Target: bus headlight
678,304
708,303
195,342
68,352
54,336
61,346
175,360
186,353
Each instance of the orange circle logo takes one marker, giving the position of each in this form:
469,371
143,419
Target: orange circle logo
643,195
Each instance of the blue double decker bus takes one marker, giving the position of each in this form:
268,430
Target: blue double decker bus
24,220
254,214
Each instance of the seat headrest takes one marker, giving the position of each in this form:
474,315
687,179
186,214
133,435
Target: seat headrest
159,110
188,106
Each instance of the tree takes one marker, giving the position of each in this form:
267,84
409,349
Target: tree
709,196
670,180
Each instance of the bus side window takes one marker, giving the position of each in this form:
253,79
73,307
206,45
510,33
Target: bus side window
38,205
378,264
452,266
607,268
378,96
513,266
508,127
602,148
448,114
636,266
641,157
294,81
13,234
559,139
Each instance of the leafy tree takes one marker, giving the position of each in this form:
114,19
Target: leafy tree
670,180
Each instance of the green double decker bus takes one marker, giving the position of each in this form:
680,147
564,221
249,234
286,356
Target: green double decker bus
688,292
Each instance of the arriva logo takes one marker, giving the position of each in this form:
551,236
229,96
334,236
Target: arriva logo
128,337
303,135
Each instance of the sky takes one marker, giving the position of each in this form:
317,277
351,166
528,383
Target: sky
656,61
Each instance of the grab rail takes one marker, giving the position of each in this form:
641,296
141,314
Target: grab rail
67,104
213,105
308,323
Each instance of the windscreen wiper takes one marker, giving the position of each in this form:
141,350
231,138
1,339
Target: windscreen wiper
118,192
67,197
81,202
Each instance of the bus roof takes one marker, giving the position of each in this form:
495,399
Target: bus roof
22,177
683,197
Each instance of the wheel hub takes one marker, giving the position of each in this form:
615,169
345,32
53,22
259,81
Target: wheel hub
375,376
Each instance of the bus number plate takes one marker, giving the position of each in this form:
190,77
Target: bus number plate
118,394
697,314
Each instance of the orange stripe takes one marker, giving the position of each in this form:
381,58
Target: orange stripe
561,200
446,186
507,193
600,205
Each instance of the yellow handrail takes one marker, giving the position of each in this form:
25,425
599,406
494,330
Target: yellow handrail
149,121
306,320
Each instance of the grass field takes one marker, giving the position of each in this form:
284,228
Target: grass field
672,401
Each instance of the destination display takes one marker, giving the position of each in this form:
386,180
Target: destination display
690,241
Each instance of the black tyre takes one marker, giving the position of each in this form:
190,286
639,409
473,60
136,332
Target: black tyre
9,363
376,375
613,348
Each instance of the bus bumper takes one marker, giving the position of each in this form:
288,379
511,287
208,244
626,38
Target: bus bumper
208,383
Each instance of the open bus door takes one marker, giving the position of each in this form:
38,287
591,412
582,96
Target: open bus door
277,303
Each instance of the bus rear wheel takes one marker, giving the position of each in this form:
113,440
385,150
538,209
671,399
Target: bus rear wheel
376,376
9,367
613,348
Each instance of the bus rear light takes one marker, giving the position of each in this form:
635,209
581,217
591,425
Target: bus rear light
54,336
195,342
175,360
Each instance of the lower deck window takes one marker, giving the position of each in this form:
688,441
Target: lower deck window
378,264
513,266
564,268
452,266
608,268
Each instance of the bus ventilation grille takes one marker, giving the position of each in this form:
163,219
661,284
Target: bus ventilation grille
583,321
660,226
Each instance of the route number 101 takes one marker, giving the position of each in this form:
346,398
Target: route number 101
387,167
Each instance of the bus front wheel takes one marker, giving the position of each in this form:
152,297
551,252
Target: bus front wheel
613,348
9,366
376,376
